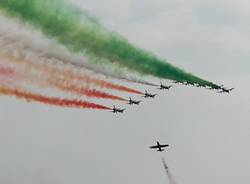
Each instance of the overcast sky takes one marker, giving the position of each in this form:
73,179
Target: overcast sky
208,133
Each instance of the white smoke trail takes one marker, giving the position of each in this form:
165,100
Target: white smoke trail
169,174
17,34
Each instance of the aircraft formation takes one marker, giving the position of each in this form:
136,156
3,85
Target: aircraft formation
135,102
220,89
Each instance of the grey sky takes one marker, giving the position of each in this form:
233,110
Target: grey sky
208,133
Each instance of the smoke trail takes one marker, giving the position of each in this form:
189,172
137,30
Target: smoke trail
15,40
14,34
63,22
32,72
84,91
6,71
50,100
169,174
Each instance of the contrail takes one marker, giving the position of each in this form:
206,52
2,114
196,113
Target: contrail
43,75
21,94
169,174
64,22
24,37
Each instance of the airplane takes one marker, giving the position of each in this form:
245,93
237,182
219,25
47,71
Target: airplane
148,95
224,90
159,147
131,102
116,110
165,87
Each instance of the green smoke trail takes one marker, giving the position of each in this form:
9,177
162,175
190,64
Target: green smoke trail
80,32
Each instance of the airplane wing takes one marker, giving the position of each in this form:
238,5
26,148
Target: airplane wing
154,147
121,110
163,146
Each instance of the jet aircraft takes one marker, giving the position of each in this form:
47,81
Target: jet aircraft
131,102
148,95
116,110
165,87
224,90
159,147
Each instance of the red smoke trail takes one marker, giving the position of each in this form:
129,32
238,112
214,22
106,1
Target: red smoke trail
96,93
87,92
98,82
6,71
72,75
109,85
50,100
51,76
